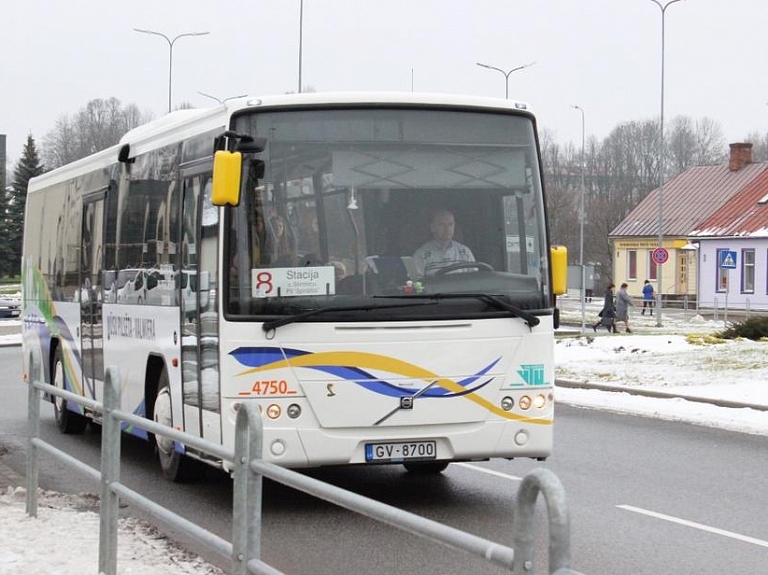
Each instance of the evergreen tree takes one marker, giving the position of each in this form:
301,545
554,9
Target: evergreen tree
27,168
5,246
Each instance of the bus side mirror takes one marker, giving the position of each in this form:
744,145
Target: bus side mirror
559,258
227,170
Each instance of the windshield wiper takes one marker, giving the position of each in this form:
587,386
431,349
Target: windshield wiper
496,301
268,326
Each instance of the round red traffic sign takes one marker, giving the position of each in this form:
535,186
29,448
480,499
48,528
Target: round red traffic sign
660,255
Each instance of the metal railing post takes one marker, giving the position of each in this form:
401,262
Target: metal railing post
110,472
247,489
33,420
546,482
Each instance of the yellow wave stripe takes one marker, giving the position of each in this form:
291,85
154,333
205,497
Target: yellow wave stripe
391,365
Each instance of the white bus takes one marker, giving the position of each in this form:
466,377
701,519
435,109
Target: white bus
266,251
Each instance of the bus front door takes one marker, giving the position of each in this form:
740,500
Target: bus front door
198,301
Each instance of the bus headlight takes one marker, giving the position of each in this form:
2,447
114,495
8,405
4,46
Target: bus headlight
507,403
293,411
525,402
273,411
539,401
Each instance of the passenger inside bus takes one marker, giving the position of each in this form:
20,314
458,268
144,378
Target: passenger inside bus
442,251
283,253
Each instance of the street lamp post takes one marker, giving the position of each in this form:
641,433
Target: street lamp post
301,38
662,157
171,42
581,222
220,100
506,74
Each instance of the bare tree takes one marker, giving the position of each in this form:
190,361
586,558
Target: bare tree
562,177
759,146
690,143
98,125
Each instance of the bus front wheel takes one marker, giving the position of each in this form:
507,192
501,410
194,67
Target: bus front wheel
175,466
66,420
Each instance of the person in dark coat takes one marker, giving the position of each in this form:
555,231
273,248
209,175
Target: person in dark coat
608,313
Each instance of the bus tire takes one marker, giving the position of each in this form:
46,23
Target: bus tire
67,421
426,467
175,466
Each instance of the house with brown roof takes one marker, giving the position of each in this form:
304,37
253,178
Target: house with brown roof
688,201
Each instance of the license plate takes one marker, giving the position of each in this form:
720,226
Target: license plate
400,451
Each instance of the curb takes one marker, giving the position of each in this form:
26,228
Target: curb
657,394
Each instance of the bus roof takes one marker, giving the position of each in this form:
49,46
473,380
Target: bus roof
374,98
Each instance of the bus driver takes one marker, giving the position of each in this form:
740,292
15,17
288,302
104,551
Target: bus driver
442,251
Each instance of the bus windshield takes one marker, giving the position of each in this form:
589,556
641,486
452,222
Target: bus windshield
357,208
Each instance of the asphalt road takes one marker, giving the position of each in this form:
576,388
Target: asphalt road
646,497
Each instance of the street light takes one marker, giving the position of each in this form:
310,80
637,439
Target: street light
663,8
581,222
301,38
506,74
220,100
170,53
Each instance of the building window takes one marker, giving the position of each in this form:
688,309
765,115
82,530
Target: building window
722,274
653,267
748,271
632,264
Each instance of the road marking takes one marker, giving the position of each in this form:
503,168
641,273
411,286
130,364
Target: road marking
679,521
490,471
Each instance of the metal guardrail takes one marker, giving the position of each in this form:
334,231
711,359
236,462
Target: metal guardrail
249,471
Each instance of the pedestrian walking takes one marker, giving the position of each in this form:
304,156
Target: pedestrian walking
647,298
623,303
608,313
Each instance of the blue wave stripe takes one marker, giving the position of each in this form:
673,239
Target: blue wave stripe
258,356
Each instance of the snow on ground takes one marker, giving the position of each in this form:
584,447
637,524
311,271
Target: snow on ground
680,357
734,370
677,357
64,540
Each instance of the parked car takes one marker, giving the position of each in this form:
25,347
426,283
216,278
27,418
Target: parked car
116,282
10,307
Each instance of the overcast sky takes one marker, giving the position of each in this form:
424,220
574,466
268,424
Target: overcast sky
604,55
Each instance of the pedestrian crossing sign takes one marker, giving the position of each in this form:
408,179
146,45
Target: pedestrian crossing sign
727,260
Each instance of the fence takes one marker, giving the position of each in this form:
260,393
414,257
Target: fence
250,468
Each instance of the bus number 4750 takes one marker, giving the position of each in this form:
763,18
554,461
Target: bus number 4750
272,387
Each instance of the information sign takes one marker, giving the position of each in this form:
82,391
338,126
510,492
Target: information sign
287,282
727,260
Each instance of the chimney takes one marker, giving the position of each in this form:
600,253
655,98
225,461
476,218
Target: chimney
741,155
